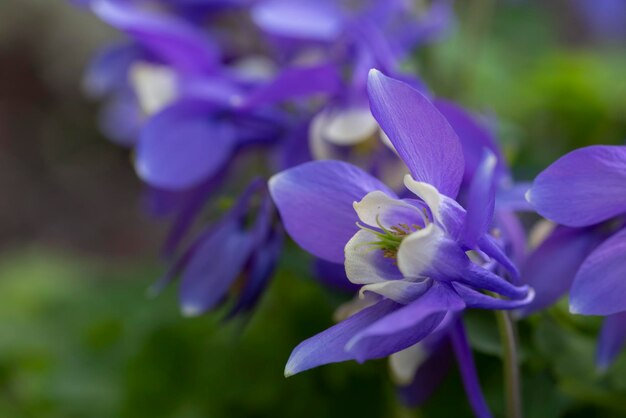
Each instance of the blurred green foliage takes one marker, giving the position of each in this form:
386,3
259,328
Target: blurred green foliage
80,339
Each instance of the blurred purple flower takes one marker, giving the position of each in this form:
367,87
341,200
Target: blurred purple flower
194,99
605,19
422,258
235,256
585,191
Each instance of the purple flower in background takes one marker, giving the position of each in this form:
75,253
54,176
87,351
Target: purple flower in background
585,192
420,259
199,101
605,19
235,256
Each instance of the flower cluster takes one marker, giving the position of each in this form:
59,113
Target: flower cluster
403,198
211,95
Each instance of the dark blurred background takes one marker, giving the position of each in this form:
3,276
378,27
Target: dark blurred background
78,336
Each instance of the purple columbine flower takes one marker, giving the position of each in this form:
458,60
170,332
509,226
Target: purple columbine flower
584,192
423,258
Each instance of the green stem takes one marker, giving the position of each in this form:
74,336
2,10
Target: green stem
512,380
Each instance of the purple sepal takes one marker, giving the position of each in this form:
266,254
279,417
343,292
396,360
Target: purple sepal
405,326
315,202
480,200
612,340
172,40
582,188
419,132
329,345
467,368
599,286
182,146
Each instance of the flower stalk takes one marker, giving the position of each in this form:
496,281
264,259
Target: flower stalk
510,355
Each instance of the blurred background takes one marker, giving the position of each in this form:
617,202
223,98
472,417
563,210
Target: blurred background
80,338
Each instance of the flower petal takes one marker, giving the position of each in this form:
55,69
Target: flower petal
467,367
377,208
212,269
422,136
582,188
172,40
406,326
445,211
294,83
612,339
599,287
365,264
550,269
479,300
401,291
329,345
430,253
302,19
181,146
482,278
480,200
315,202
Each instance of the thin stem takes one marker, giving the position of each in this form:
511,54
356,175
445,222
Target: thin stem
508,336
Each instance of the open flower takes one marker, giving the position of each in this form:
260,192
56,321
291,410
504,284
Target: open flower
585,192
423,257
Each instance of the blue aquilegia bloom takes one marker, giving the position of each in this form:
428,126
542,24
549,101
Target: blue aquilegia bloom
585,193
421,260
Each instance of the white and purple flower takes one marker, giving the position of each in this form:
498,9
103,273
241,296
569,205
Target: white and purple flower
423,258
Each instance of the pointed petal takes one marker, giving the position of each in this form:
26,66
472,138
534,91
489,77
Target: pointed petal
479,300
302,19
181,146
468,371
582,188
422,136
550,269
329,345
481,200
172,40
315,201
490,247
612,340
405,326
213,268
481,278
599,287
